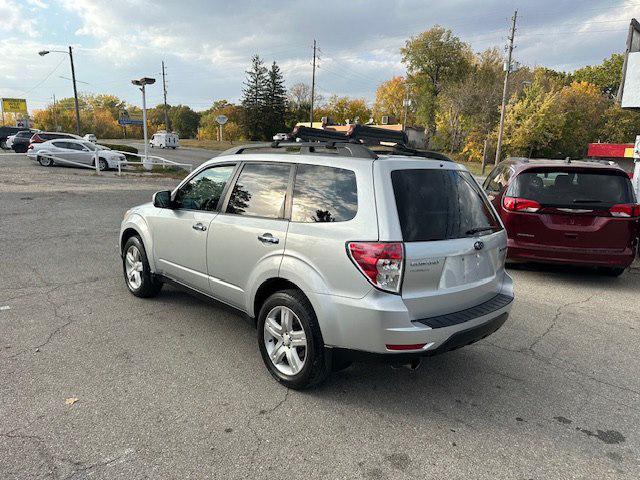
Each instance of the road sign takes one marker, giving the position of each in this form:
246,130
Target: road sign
222,119
14,105
127,118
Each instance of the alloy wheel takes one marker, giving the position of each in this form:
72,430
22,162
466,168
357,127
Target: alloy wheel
133,266
285,340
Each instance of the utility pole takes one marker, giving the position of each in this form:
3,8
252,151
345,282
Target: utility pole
55,113
75,91
506,84
313,82
164,87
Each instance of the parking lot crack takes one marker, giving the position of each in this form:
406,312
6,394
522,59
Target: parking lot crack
554,321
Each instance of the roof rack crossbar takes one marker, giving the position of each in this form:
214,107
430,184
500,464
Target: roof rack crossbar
345,148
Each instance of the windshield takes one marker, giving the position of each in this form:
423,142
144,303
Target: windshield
553,187
441,205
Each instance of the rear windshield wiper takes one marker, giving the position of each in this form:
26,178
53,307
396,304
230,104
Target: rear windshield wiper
479,229
587,200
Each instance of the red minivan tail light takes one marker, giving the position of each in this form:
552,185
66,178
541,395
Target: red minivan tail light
625,210
382,263
514,204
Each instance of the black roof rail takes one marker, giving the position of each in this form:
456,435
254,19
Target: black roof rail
346,149
399,149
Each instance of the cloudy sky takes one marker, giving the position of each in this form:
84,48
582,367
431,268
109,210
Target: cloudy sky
207,44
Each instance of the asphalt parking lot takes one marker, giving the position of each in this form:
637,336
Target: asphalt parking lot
174,387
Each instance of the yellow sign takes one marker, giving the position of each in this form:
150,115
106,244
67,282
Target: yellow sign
14,105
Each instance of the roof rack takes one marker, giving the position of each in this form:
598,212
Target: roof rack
346,149
399,149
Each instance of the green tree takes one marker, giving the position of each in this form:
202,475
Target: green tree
606,76
184,120
343,109
254,96
619,126
275,102
434,59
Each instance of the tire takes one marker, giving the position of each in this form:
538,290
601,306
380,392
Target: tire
138,278
45,161
611,271
315,362
102,164
3,145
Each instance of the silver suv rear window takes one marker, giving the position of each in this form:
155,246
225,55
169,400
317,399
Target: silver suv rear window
440,205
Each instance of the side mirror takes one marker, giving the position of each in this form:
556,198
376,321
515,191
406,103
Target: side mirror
162,199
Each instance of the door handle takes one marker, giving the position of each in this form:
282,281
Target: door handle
199,226
268,238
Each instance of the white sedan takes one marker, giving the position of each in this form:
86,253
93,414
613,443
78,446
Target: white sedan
71,151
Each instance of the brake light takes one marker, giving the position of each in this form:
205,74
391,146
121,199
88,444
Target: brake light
30,147
514,204
625,210
382,263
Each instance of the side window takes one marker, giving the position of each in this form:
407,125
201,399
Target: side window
59,144
203,191
74,146
324,194
498,179
260,190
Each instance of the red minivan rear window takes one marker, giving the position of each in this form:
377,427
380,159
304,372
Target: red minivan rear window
566,188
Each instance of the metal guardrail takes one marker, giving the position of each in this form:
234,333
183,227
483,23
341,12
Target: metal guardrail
149,161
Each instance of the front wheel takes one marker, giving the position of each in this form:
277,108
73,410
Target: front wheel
102,164
137,273
45,161
290,341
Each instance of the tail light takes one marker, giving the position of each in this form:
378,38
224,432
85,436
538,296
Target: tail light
30,147
625,210
382,263
514,204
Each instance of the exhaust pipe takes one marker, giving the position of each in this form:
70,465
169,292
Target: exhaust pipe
412,366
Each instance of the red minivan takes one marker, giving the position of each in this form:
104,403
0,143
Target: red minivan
577,213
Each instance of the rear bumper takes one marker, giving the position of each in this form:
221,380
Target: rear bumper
457,340
604,257
369,324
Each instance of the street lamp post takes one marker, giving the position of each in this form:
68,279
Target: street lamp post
141,83
73,77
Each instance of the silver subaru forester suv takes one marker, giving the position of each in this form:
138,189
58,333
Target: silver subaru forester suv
336,253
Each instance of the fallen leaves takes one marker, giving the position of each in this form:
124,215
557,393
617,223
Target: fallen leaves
71,400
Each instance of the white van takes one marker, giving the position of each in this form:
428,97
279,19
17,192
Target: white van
164,140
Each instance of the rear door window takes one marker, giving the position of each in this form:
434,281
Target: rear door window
553,187
260,190
441,205
324,194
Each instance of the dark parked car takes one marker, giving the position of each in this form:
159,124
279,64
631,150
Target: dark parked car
6,132
578,213
21,141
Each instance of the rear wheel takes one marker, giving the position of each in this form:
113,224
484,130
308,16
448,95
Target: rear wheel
137,273
611,271
290,341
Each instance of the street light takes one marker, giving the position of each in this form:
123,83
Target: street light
141,83
42,53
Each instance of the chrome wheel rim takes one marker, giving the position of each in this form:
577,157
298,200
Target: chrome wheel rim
102,164
285,340
133,267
